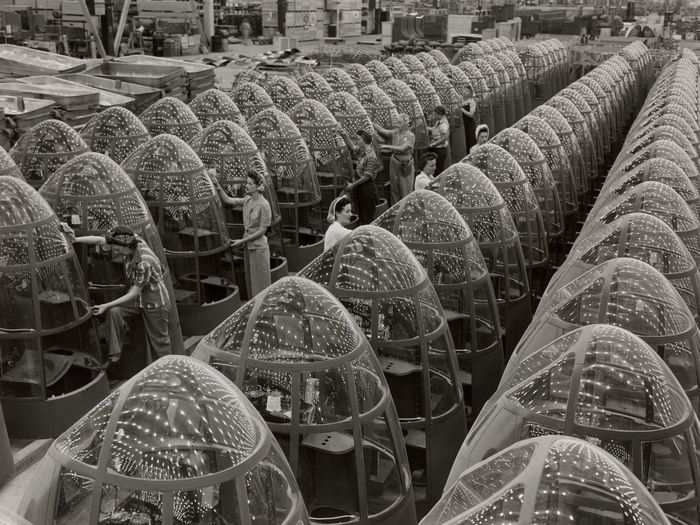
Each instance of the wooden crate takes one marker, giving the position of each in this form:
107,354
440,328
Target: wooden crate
351,29
166,10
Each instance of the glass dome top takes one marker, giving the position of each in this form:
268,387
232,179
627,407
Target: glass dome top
656,148
32,243
397,67
425,92
349,113
533,163
116,132
360,74
171,115
581,482
339,80
476,198
426,220
294,322
380,108
481,88
314,86
666,120
175,406
414,65
213,105
379,71
503,170
7,165
639,236
44,147
228,149
439,57
459,81
427,60
284,92
654,169
370,260
470,52
160,155
449,97
251,99
623,292
673,134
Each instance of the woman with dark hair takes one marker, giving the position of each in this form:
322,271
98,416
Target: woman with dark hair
440,139
147,295
339,215
401,168
257,217
469,117
363,189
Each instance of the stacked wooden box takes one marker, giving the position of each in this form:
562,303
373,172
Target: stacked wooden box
346,16
302,20
270,17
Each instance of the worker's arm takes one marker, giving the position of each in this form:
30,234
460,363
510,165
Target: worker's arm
406,145
84,239
265,221
128,297
385,133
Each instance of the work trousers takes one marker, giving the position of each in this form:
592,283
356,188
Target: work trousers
155,323
401,176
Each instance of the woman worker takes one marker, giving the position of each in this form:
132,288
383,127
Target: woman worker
401,169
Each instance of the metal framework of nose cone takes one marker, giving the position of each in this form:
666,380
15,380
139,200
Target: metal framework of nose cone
444,245
414,65
7,517
583,135
172,116
593,122
293,171
663,133
496,94
654,169
533,163
380,108
428,61
568,141
515,85
630,294
510,180
654,148
665,121
639,236
481,92
349,113
425,92
377,278
533,59
609,85
659,200
8,168
406,102
227,149
468,53
188,214
452,102
51,359
93,188
304,364
398,69
116,132
459,80
607,386
602,113
379,71
360,75
314,86
213,105
557,161
339,80
44,148
251,99
609,104
284,92
324,138
522,78
481,206
506,88
666,106
486,46
177,443
439,57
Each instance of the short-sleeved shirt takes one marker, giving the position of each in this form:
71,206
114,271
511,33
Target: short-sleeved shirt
402,139
256,214
422,181
145,270
441,135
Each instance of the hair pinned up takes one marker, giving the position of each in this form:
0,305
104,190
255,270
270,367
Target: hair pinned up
336,206
122,236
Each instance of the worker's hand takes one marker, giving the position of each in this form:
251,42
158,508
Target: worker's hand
68,231
236,243
99,309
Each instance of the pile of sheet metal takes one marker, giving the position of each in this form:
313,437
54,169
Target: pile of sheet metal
17,61
172,80
143,96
